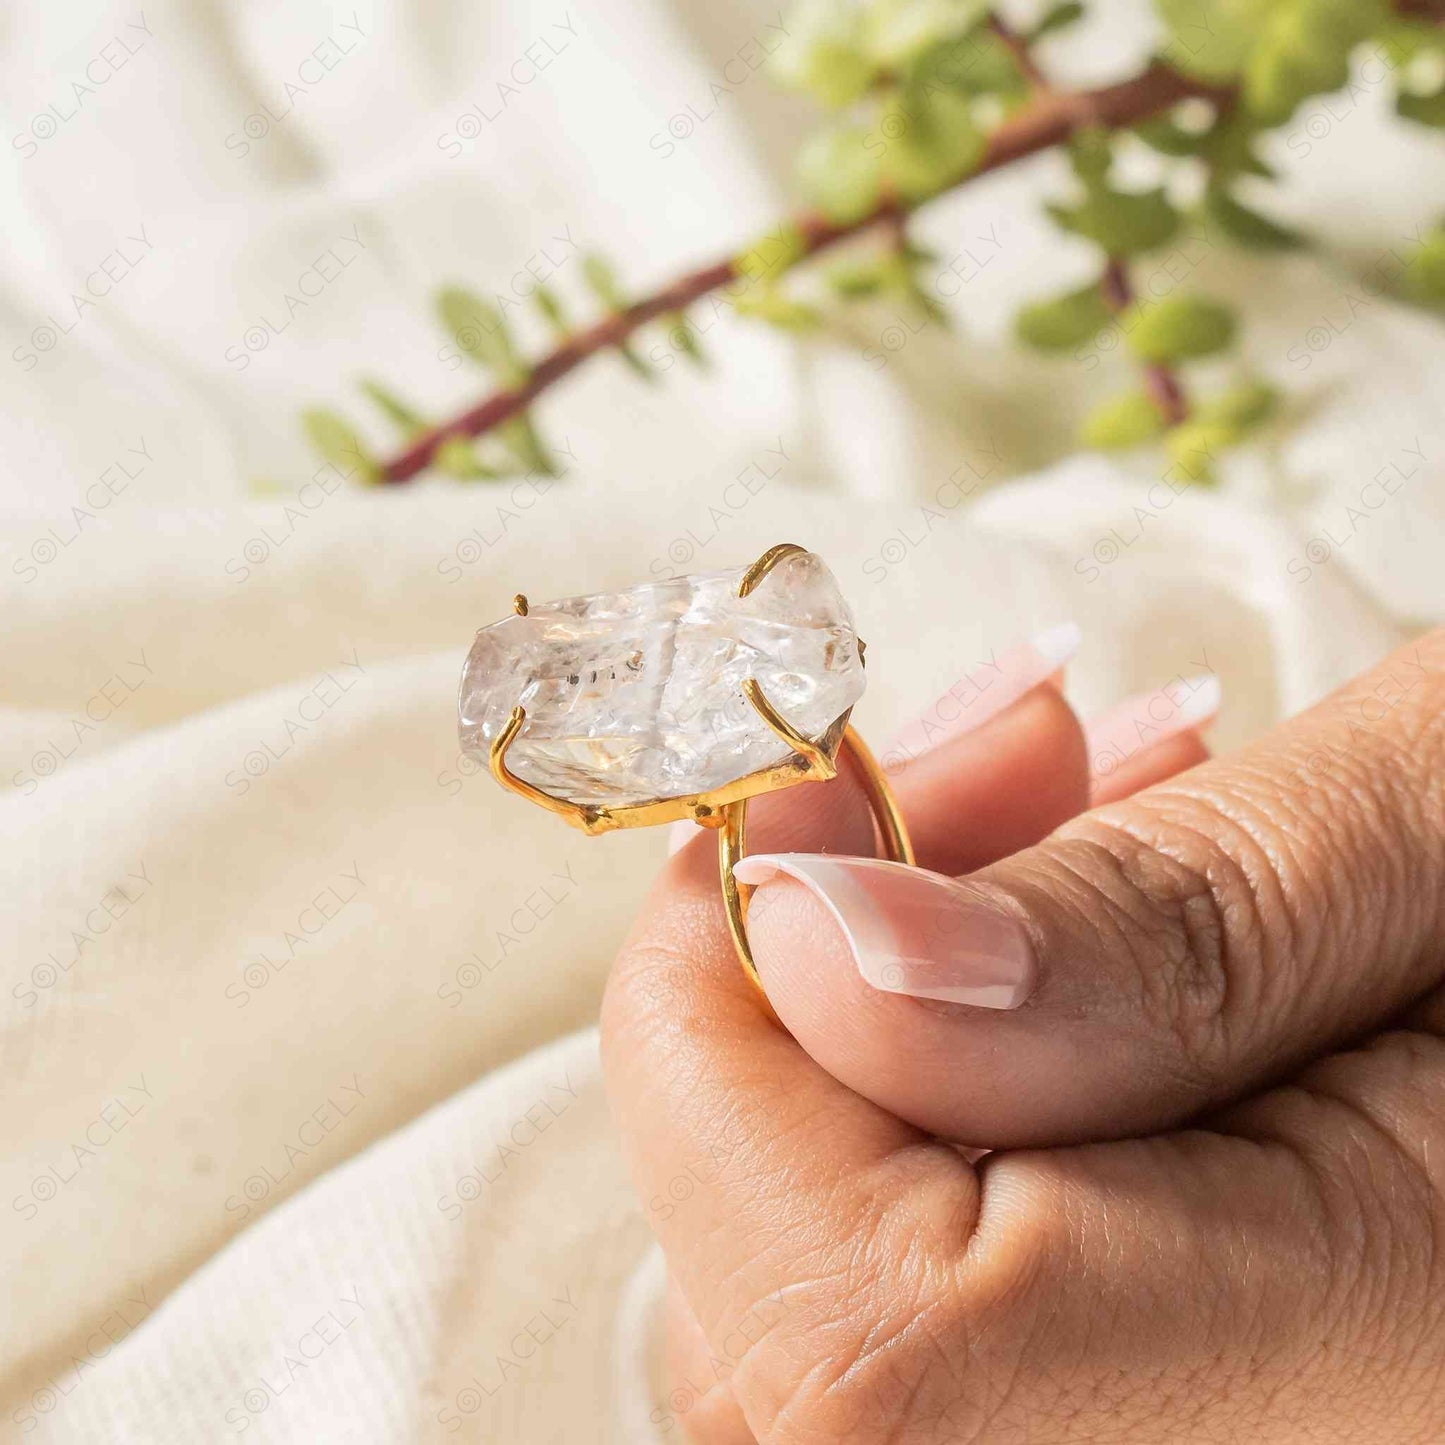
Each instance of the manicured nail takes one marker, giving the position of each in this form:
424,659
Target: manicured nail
1137,724
911,931
982,693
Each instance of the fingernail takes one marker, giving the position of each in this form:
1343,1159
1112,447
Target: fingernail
1139,723
681,833
984,692
911,931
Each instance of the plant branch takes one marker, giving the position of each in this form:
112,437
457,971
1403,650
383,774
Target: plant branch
1050,118
1161,382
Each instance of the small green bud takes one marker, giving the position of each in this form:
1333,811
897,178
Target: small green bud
1195,446
1123,421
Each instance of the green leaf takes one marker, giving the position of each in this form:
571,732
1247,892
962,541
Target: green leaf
972,65
860,276
839,174
1177,328
520,438
635,362
598,273
1066,12
1212,39
1064,322
1194,446
1304,49
1241,408
770,305
1091,154
1123,421
336,440
897,32
768,257
1424,278
1403,40
602,281
1229,149
1248,227
393,407
928,140
480,331
545,300
823,55
1123,223
681,335
1423,109
1170,138
457,457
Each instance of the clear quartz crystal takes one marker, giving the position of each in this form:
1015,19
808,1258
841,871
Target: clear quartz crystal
636,696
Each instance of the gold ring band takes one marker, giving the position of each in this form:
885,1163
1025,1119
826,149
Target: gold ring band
732,842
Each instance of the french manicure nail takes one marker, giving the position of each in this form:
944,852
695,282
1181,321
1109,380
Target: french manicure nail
1139,723
911,931
984,692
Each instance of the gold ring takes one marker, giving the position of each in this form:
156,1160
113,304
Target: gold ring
677,699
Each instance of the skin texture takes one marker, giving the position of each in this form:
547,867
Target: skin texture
1218,1124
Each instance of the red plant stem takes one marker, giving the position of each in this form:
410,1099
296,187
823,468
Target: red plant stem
1161,382
1048,120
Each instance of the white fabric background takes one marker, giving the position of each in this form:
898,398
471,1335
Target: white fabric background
297,1062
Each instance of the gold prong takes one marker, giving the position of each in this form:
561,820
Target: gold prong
820,765
588,817
862,652
765,564
519,604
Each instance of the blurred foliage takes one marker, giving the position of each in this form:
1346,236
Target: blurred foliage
909,93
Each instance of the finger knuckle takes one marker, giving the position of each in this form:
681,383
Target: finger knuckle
1379,1111
1183,906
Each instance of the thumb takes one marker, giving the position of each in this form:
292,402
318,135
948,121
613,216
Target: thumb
1149,960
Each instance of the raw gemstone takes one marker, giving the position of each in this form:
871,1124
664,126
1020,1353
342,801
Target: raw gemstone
637,696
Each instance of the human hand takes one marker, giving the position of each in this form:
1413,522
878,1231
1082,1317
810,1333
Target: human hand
1213,1208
